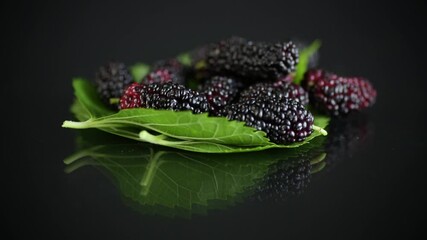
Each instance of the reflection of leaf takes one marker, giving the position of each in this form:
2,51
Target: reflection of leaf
183,130
159,180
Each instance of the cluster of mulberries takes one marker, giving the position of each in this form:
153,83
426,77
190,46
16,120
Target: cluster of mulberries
242,80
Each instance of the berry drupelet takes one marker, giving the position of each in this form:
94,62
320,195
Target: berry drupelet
220,91
338,95
251,60
164,96
284,121
277,90
111,80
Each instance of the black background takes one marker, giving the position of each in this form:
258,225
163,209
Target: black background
371,193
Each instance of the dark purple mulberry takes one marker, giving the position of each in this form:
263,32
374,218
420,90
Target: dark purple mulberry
338,95
164,96
285,121
111,80
220,91
251,60
278,90
165,71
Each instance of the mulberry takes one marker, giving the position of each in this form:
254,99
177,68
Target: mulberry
251,60
132,97
165,71
111,80
285,121
220,92
164,96
278,90
338,95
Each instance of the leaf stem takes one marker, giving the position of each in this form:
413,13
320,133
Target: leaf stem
81,154
78,164
150,172
320,130
156,139
114,100
200,65
76,125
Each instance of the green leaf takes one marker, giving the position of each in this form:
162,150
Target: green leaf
138,71
304,58
182,130
184,59
181,125
88,97
212,147
170,182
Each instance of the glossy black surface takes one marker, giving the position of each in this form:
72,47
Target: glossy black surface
373,181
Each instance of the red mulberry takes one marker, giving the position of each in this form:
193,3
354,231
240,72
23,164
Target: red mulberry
338,95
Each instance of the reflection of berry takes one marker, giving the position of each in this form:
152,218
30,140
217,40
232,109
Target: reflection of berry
339,95
277,90
285,121
165,71
164,96
346,136
290,178
220,92
251,60
111,80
